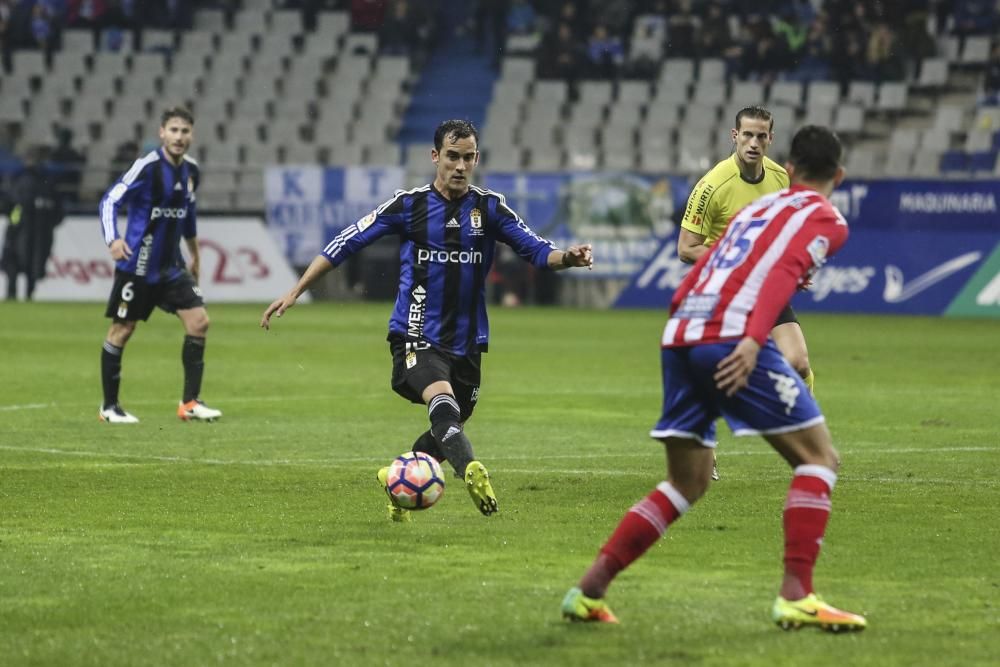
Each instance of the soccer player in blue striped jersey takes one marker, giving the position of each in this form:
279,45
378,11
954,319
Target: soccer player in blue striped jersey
159,191
438,330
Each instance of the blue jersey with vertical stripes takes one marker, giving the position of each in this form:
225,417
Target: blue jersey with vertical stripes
446,252
160,197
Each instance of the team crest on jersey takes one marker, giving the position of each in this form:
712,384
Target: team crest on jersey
366,222
476,219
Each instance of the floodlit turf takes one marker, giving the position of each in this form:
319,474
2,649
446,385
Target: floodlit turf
262,539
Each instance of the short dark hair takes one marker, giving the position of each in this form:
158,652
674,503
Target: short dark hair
455,129
816,153
754,111
176,112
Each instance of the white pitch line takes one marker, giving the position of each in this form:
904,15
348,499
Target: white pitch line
367,460
27,406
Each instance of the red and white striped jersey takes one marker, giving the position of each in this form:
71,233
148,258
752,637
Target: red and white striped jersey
769,248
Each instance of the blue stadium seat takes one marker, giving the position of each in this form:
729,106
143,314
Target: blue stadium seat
954,161
982,161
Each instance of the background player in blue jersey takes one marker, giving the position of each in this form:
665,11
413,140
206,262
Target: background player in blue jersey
438,330
159,191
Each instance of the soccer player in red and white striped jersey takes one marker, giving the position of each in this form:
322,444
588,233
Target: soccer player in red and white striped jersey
718,360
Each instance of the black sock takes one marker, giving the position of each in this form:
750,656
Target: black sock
111,373
447,431
193,357
428,445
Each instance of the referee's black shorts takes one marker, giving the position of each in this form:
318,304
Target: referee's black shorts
786,316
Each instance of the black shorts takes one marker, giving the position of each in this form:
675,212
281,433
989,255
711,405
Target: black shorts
133,299
786,316
416,366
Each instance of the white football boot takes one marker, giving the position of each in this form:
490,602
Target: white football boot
197,411
115,415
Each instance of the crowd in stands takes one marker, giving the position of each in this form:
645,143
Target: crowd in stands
761,40
403,26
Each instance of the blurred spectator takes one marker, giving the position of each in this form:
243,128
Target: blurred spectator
36,211
991,82
521,18
813,61
715,36
682,26
490,18
943,10
5,48
847,57
975,17
605,52
616,15
914,39
559,56
396,34
883,56
41,26
792,32
523,34
67,161
367,15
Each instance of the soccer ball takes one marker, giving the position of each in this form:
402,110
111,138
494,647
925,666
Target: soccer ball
415,480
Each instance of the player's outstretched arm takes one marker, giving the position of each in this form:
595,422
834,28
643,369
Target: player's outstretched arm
313,272
573,256
733,372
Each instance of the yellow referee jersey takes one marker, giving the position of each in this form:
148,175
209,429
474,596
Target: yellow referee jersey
722,192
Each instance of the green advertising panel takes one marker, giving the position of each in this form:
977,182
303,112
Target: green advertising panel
981,295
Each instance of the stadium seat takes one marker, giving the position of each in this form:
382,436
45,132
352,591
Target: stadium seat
624,114
711,70
499,157
595,93
987,118
786,93
746,93
382,153
892,96
210,20
333,25
861,162
862,93
899,163
977,141
933,73
679,70
618,160
954,162
849,119
976,50
78,42
710,94
982,162
655,162
632,93
517,69
949,118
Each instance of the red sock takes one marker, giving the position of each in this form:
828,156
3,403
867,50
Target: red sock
807,510
638,530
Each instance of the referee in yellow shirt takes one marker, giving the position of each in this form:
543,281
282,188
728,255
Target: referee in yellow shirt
730,185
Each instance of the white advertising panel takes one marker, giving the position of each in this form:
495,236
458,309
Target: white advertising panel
240,262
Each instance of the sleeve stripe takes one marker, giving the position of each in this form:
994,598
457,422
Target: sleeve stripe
109,206
340,241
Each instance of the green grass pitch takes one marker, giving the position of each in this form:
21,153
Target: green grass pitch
262,539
